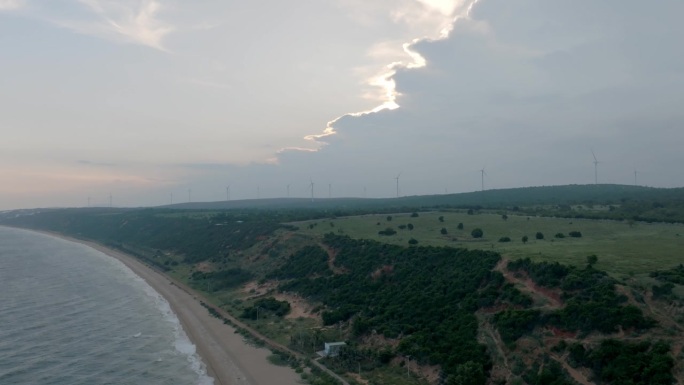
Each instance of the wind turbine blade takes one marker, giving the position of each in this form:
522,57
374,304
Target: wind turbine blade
594,155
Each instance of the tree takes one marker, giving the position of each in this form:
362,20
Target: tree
592,259
477,233
460,226
539,235
441,218
443,231
575,234
389,218
410,226
505,239
504,217
470,212
559,235
414,215
413,241
525,239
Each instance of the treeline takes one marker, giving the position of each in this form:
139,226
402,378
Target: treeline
426,296
196,238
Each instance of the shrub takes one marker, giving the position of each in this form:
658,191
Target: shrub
414,215
443,231
504,239
539,235
441,218
559,235
477,233
525,239
387,231
575,234
460,226
413,241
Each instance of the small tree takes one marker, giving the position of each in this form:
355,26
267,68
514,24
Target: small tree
525,239
413,241
441,218
504,239
460,226
477,233
414,215
410,226
504,217
592,259
443,231
470,212
389,218
539,235
559,235
575,234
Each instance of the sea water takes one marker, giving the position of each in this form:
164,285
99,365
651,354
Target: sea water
72,315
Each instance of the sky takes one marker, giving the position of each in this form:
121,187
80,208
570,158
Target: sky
159,101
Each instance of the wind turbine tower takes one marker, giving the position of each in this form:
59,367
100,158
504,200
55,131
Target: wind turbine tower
110,200
596,162
329,190
228,193
635,177
288,190
312,190
483,173
397,179
189,195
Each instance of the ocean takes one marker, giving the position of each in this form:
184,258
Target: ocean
72,315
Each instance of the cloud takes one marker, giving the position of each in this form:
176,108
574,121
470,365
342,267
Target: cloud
11,5
127,21
135,21
525,89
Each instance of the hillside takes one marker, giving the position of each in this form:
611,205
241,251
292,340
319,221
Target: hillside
442,307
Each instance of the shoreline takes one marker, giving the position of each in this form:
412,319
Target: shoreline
226,356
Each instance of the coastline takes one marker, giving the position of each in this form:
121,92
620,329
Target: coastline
227,357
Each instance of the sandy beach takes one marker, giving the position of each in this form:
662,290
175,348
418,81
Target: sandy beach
226,355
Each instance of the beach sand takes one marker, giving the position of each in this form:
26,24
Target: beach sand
228,358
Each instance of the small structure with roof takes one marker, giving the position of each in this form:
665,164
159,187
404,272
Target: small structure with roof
331,349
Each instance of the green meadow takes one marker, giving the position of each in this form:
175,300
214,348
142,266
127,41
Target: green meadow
622,248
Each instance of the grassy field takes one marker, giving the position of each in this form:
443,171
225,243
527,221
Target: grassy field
623,249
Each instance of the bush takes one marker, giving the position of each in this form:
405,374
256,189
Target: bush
443,231
575,234
559,235
539,235
504,239
414,215
387,231
413,241
389,218
477,233
441,218
460,226
525,239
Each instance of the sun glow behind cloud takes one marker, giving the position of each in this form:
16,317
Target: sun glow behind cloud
442,14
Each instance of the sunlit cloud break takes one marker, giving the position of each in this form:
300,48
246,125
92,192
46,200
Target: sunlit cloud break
451,10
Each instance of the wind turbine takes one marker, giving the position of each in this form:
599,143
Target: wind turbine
329,190
288,190
312,189
397,179
189,195
596,162
483,175
110,200
635,177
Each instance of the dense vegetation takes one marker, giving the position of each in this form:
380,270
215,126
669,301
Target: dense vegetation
625,363
674,275
426,295
591,301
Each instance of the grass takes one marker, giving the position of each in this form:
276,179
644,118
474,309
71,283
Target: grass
622,249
